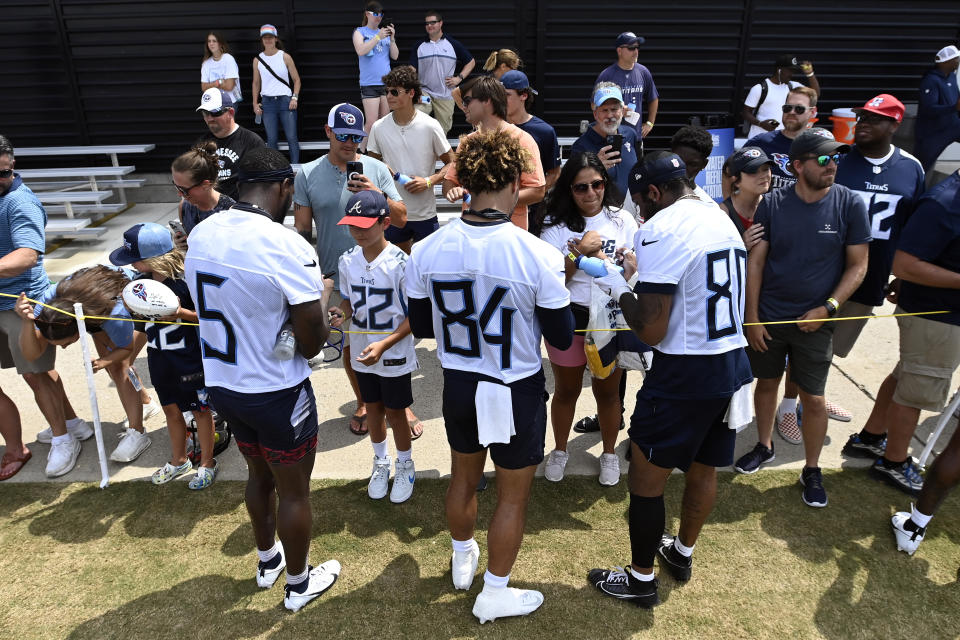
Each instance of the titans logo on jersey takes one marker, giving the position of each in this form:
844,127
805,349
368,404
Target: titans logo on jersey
777,146
890,190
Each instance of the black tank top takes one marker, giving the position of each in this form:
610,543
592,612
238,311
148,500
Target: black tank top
192,216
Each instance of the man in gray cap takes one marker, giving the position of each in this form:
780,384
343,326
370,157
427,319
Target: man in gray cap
636,83
938,120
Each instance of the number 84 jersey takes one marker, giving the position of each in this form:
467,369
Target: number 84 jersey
377,296
692,251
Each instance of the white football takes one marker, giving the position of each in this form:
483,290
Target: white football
150,299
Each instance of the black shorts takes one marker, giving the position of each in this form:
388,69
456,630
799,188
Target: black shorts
415,230
280,426
372,91
810,355
174,387
529,417
394,393
672,433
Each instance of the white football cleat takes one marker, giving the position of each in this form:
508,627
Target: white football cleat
908,534
502,603
463,566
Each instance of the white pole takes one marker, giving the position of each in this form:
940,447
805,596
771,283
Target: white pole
941,425
88,367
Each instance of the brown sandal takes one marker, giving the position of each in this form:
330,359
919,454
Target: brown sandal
11,464
358,425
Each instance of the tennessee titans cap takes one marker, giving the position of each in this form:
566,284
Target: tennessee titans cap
815,141
656,168
749,160
214,99
142,241
607,93
364,208
346,118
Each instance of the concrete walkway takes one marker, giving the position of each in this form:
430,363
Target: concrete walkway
852,382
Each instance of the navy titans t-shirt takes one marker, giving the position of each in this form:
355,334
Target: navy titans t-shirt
777,146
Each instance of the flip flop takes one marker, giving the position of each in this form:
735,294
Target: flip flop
11,464
358,425
416,428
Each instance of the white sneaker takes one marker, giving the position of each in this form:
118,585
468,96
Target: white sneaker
501,603
556,463
62,458
379,478
463,566
403,478
319,580
150,409
908,534
132,445
266,577
78,428
609,469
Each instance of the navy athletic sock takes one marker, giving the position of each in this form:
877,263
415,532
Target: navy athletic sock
647,521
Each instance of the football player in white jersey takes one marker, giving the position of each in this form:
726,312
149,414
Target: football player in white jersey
687,304
487,289
251,277
373,291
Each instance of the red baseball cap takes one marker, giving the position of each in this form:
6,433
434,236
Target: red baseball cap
884,105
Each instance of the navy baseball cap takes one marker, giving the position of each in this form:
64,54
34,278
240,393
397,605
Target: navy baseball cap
749,160
142,241
214,99
628,38
656,168
816,141
364,209
516,80
346,118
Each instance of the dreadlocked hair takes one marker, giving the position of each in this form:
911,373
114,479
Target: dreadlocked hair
491,161
96,288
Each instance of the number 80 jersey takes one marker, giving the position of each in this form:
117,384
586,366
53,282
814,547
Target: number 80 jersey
695,252
484,282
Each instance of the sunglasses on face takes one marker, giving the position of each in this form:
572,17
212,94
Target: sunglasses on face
824,160
873,118
216,114
796,108
353,137
183,191
430,23
633,48
6,173
581,187
467,100
376,14
396,92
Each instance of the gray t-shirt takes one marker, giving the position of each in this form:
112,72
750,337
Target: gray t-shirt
321,186
807,254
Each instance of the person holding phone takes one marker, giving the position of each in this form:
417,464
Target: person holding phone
761,106
276,91
375,42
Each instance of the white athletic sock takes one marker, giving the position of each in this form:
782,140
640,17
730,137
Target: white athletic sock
61,439
919,519
642,577
682,549
494,582
72,422
295,580
788,405
403,456
464,546
380,448
269,554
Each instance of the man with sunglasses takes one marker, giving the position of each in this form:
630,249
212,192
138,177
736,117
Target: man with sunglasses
436,59
636,84
799,107
233,141
323,187
810,260
762,104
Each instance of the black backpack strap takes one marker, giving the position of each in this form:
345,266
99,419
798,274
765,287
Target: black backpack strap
287,84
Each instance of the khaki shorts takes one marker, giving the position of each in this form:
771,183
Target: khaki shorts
10,354
929,354
441,109
846,332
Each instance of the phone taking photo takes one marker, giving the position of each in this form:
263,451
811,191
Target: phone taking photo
177,227
354,169
615,141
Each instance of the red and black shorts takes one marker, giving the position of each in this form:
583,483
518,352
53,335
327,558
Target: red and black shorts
280,426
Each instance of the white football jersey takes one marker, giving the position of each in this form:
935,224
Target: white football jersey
688,245
377,294
484,282
244,272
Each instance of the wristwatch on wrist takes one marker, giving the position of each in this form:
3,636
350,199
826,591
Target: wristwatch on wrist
649,124
832,306
294,97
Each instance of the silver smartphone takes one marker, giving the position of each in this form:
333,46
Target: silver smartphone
177,227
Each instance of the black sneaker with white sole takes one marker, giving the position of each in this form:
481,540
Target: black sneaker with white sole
858,447
814,495
752,460
677,564
619,584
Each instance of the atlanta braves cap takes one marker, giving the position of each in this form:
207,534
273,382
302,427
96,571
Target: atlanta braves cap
815,141
346,118
656,168
884,105
364,208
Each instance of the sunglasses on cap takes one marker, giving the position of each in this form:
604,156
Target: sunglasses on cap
353,137
6,173
796,108
581,187
217,113
824,160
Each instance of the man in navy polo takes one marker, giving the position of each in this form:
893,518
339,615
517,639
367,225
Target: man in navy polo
938,120
636,83
607,105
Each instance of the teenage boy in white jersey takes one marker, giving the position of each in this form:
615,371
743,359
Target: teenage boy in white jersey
486,289
374,296
687,304
250,277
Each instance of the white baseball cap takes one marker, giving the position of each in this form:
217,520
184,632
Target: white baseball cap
949,52
215,100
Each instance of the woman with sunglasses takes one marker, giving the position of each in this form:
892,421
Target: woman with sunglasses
219,68
195,177
375,45
582,216
276,91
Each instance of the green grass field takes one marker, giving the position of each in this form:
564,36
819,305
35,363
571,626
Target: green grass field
138,561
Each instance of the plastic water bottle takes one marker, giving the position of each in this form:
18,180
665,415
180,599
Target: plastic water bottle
466,199
425,99
401,178
286,343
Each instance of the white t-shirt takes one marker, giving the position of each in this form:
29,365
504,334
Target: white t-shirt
771,107
484,282
688,245
412,149
615,226
244,272
703,195
378,297
223,69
